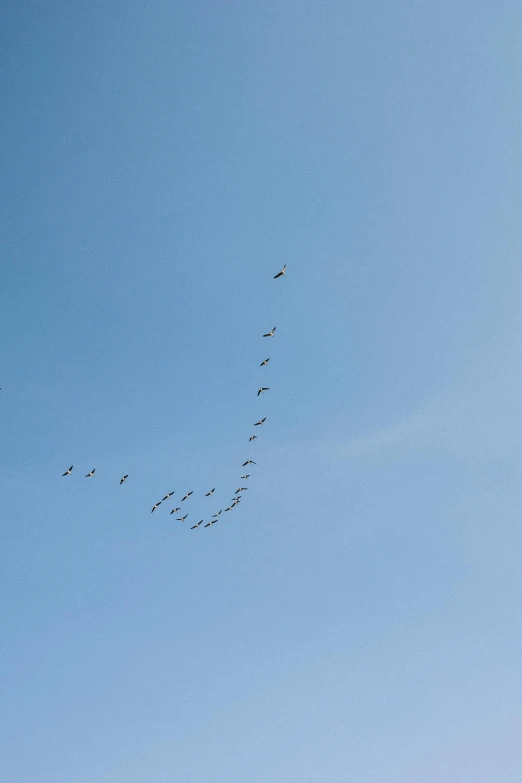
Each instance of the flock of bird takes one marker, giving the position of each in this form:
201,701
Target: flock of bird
236,499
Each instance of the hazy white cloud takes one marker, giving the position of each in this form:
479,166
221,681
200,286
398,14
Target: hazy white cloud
477,416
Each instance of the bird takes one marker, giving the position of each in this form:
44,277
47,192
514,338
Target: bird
124,479
262,389
271,333
247,476
252,437
229,508
260,422
210,493
155,506
168,495
281,273
212,522
218,513
198,524
175,509
87,475
182,519
187,496
68,472
264,362
241,489
248,462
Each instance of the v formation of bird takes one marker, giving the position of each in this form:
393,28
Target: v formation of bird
236,500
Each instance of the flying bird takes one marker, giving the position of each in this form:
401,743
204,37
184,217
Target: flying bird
210,493
187,496
229,508
124,479
182,519
198,524
218,513
247,476
168,496
260,422
263,389
90,474
252,437
68,472
212,522
248,462
175,509
270,334
281,273
155,506
264,362
241,489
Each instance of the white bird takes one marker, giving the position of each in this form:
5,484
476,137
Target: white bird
68,472
241,489
169,495
264,362
247,476
212,522
252,437
187,496
248,462
91,473
182,519
155,506
198,524
229,508
271,333
124,479
260,422
281,273
218,513
210,493
175,509
263,389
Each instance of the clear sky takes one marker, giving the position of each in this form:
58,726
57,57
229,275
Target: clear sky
357,618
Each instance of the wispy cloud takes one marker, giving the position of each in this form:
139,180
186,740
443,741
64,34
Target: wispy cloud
477,417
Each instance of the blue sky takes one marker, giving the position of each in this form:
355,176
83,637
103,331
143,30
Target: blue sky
358,617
